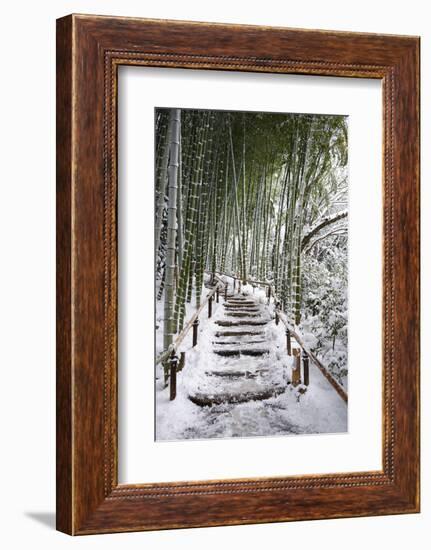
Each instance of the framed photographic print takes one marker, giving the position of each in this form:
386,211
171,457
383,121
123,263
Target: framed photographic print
237,274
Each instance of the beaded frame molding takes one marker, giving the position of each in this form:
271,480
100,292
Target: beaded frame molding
89,51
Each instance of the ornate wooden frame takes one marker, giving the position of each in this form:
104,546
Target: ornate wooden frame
89,51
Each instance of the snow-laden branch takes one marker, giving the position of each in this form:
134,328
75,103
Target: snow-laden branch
328,220
334,231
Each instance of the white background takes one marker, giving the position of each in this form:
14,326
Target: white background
27,122
141,458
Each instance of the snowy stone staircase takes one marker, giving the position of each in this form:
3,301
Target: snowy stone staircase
241,369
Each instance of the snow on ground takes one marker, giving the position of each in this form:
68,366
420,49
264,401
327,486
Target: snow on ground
319,410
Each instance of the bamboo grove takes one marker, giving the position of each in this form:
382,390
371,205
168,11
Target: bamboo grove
249,194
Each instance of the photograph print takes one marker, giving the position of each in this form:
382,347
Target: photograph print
251,274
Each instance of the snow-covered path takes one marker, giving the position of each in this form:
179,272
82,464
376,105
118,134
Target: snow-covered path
236,382
240,371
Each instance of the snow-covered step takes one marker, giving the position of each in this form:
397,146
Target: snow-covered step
240,301
234,342
241,362
228,305
241,307
236,333
244,313
255,393
233,373
239,298
229,352
249,314
242,323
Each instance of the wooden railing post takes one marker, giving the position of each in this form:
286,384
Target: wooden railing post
288,342
173,364
210,307
225,291
269,294
277,317
182,361
306,368
217,294
195,332
239,286
296,367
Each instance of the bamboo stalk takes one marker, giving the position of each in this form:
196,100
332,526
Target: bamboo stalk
168,328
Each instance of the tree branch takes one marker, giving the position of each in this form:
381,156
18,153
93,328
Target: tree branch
335,231
328,220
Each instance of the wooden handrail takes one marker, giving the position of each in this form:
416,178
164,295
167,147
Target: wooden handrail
220,280
263,283
175,345
221,273
336,385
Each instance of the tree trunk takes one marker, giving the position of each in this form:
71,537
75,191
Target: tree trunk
237,217
161,185
168,328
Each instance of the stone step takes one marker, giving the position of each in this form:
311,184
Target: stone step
227,306
230,342
242,314
224,333
242,310
241,307
208,400
255,352
241,302
230,307
251,323
232,373
247,303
